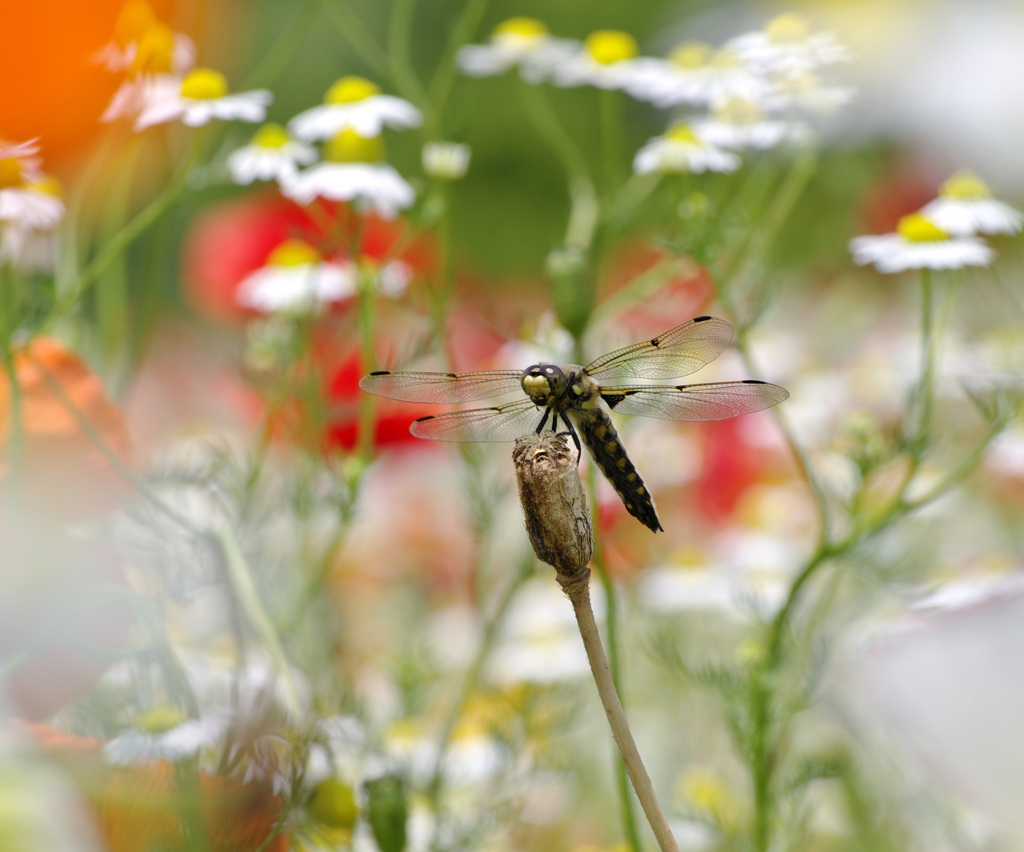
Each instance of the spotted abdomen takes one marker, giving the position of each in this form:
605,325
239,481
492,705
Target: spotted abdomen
598,432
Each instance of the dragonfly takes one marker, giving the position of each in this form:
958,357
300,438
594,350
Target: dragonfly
580,398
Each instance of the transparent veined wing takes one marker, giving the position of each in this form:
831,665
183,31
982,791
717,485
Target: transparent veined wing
441,387
678,352
501,423
712,401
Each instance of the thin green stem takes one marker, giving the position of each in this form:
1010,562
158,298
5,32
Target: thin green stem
368,354
131,230
471,678
929,341
403,12
248,597
284,48
360,39
611,136
444,77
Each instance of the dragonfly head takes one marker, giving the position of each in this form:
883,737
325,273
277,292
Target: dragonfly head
543,382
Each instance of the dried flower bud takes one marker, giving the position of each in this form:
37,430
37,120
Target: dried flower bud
557,516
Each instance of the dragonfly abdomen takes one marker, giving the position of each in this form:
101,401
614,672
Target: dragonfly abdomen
598,432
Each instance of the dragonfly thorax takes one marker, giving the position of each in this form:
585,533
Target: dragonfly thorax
544,382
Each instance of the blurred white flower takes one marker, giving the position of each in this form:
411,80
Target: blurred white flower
540,641
965,206
272,155
738,123
606,59
141,41
29,199
445,160
919,244
353,170
163,733
296,278
681,149
201,96
522,43
808,92
354,103
787,47
696,74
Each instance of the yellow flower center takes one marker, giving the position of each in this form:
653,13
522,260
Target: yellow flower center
520,29
203,84
349,90
738,111
725,58
333,803
682,132
690,54
349,147
154,51
48,185
135,18
161,718
915,228
11,174
271,136
964,185
293,253
788,28
607,47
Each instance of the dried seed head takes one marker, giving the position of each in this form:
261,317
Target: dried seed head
557,517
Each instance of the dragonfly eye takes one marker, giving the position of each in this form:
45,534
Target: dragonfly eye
541,381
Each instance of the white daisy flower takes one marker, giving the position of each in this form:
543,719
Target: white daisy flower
680,149
522,43
919,244
741,124
139,37
445,160
353,170
694,73
296,279
965,206
158,63
354,103
29,199
272,155
163,733
202,96
27,249
787,47
676,79
606,59
806,91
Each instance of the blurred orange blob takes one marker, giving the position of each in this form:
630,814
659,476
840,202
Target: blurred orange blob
60,452
142,808
54,90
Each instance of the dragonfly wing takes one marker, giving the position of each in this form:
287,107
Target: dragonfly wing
501,423
713,401
678,352
441,387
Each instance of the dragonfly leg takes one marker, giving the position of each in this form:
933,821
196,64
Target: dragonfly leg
544,419
572,434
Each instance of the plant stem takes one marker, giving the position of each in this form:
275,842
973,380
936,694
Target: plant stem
131,230
578,592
